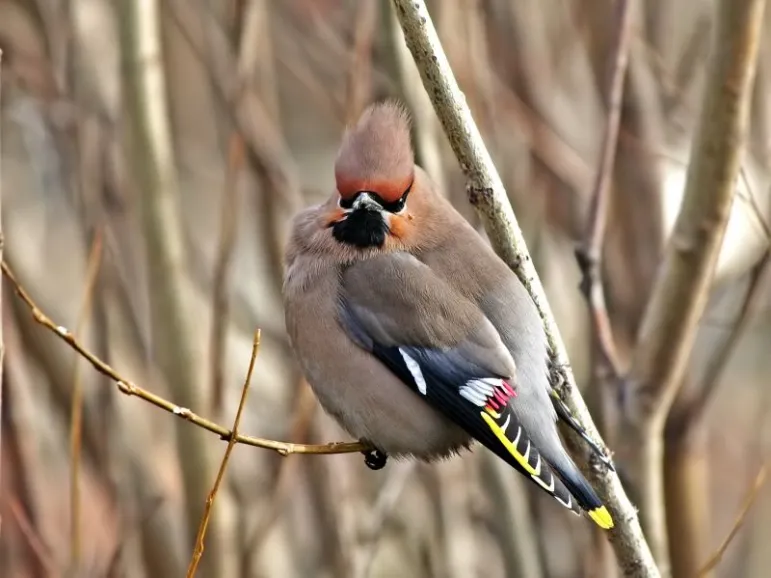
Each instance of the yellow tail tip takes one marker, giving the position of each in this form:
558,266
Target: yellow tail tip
602,518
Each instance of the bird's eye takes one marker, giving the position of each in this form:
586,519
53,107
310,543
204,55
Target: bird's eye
345,203
398,205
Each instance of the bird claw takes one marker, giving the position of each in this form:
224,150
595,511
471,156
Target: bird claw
564,413
375,459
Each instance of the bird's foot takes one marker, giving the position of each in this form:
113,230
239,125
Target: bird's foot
375,459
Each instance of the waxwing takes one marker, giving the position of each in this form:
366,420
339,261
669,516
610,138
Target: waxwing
411,331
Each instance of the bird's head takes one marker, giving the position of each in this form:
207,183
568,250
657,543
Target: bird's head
375,174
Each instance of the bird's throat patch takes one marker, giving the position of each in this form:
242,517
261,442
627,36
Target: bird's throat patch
362,228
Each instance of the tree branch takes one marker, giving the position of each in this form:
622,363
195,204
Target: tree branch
153,164
199,540
127,387
681,290
487,194
693,409
2,241
76,406
589,254
714,560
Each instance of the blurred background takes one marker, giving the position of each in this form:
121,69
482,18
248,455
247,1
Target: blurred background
152,160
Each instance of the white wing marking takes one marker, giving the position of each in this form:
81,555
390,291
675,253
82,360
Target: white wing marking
417,373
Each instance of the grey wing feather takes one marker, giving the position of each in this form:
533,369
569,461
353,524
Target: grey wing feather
397,300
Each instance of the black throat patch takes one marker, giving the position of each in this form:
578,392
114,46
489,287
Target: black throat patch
362,228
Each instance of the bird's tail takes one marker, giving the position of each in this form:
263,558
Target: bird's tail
583,493
558,476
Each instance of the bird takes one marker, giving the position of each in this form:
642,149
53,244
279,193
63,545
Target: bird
412,333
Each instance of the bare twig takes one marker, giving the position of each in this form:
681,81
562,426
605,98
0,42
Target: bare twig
35,541
692,412
76,406
589,254
127,387
681,289
221,303
687,456
714,560
487,194
2,241
171,323
199,542
268,151
22,441
302,416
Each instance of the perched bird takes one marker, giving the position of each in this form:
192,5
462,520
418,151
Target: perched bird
411,331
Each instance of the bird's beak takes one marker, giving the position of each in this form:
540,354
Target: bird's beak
365,201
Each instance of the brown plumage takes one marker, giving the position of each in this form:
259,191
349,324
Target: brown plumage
413,334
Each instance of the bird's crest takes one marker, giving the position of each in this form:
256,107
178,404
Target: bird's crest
376,154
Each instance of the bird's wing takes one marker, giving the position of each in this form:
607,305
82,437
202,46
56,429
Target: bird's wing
444,348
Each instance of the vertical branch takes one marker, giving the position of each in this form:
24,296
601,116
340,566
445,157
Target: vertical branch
589,254
681,290
686,455
204,523
76,404
256,62
606,365
220,301
153,163
486,193
2,243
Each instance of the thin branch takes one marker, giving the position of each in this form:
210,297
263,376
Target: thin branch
199,542
221,303
486,192
41,551
716,364
714,560
681,290
127,387
154,170
76,405
589,254
302,416
2,242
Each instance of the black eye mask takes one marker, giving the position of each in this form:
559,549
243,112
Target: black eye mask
393,207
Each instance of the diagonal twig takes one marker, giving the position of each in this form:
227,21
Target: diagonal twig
714,560
127,387
693,409
199,541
